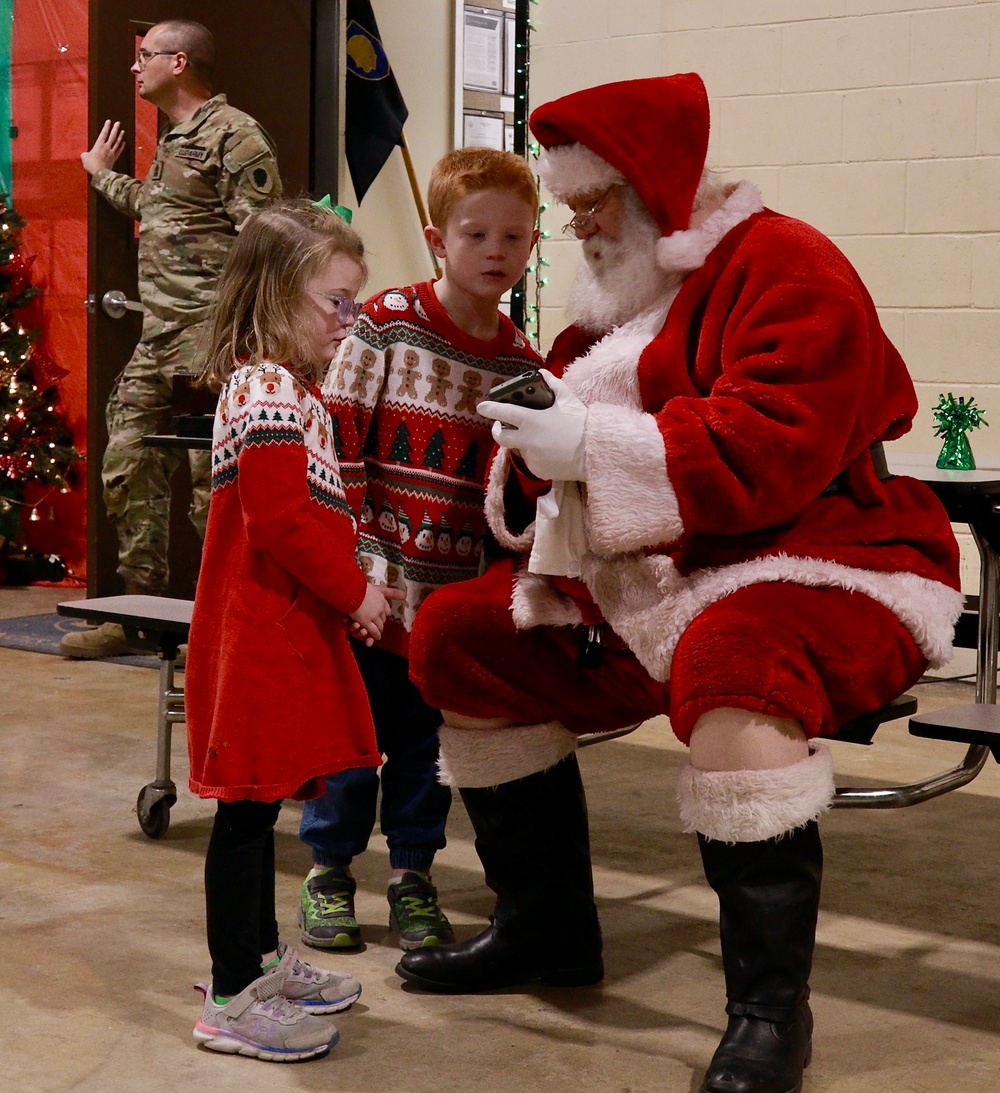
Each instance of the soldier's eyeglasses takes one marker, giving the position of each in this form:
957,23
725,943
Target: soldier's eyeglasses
347,309
144,56
584,220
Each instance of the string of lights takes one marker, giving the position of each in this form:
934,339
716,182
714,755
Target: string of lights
527,314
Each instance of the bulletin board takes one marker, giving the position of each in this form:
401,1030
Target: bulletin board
490,74
491,90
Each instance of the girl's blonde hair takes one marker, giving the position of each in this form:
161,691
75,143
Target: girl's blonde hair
263,285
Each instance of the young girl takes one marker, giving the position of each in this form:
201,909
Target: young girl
274,701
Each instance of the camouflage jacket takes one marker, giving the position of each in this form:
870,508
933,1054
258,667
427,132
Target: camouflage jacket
209,173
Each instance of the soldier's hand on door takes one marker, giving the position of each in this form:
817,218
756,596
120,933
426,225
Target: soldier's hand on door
107,148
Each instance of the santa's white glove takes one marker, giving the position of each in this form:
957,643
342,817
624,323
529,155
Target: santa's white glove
550,441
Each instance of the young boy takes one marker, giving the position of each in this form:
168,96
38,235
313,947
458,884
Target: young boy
413,453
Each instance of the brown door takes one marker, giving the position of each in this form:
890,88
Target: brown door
264,66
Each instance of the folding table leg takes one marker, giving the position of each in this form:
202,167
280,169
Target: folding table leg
156,799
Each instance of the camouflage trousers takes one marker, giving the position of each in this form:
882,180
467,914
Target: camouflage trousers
137,478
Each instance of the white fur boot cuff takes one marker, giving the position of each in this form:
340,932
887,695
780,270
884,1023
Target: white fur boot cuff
744,806
488,757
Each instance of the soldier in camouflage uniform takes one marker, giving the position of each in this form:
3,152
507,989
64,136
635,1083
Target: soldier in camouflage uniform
214,165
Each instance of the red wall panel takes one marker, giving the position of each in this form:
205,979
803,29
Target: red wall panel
49,111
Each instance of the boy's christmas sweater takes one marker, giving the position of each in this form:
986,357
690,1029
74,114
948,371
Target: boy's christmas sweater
413,450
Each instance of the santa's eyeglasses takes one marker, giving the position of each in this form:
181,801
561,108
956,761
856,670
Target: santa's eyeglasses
583,221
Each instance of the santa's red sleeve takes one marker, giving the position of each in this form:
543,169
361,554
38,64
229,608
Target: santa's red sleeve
776,376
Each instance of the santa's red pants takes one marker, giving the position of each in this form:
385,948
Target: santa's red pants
818,655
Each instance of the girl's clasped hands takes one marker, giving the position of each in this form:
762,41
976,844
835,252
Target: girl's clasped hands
370,617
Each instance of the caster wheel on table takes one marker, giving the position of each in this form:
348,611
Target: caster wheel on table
153,810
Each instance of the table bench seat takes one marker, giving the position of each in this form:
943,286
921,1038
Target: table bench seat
974,723
153,624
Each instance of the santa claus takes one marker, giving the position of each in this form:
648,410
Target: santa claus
704,527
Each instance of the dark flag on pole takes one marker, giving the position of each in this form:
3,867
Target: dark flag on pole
374,111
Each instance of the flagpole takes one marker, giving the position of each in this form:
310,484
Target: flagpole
421,211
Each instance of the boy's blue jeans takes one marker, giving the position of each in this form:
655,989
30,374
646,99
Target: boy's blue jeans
415,805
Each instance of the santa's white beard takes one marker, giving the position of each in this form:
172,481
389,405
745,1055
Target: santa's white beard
619,278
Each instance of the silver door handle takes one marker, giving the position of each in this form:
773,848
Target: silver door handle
115,303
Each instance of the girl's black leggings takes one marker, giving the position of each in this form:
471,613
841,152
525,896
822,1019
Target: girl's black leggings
239,892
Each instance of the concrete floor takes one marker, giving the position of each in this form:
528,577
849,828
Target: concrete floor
103,927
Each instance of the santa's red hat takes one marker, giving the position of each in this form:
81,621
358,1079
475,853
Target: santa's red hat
651,133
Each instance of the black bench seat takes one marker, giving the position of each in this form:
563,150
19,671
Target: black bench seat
974,723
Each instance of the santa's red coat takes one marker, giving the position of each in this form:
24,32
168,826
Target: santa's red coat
715,423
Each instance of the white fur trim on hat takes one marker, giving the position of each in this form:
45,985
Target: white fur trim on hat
748,806
571,169
488,757
683,251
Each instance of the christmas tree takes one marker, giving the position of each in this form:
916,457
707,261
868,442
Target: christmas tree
400,450
467,464
434,452
36,448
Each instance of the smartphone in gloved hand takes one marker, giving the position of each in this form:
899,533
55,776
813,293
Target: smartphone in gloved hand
529,389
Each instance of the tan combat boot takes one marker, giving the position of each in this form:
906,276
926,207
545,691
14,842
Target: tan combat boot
106,640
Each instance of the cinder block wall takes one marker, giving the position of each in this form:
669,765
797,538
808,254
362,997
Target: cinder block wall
876,121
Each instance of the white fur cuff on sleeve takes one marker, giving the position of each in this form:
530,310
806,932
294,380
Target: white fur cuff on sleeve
496,510
630,501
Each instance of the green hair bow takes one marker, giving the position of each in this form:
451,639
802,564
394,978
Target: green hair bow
342,211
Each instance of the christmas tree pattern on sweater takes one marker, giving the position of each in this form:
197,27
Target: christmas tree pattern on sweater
413,449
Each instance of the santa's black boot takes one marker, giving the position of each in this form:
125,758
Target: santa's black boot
533,840
762,855
768,901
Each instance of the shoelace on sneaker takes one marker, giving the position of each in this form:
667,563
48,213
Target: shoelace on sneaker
337,903
271,999
420,906
305,971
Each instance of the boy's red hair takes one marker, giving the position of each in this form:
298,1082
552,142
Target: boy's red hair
466,170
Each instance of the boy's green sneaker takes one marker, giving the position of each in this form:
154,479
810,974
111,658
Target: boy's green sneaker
414,913
326,911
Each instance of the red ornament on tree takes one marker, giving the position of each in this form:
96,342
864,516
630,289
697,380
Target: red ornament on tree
16,271
45,370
